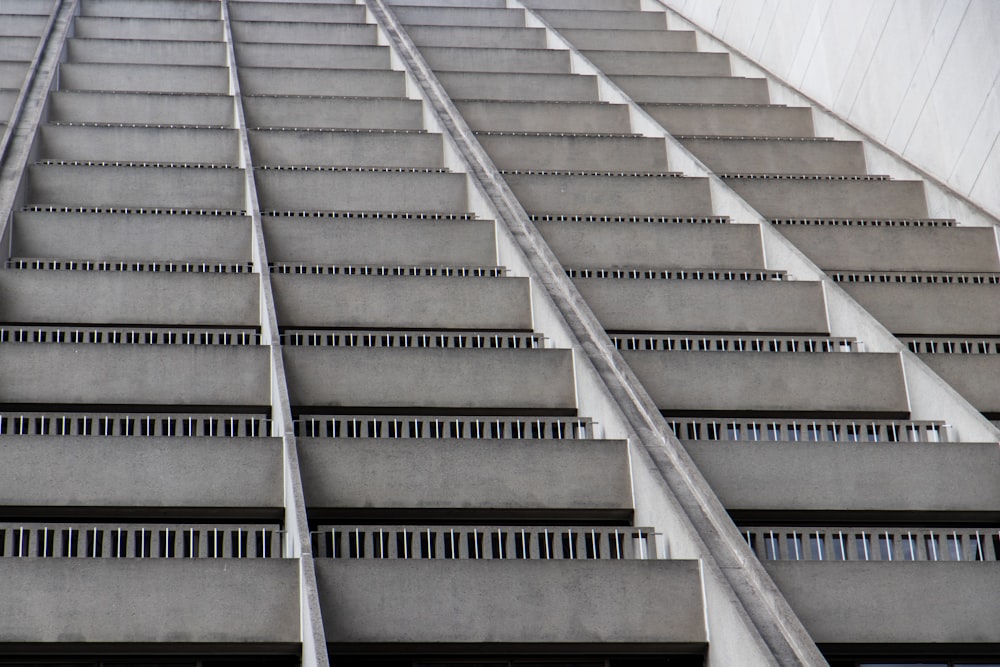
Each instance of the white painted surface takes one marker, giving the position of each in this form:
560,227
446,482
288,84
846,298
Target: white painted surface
920,76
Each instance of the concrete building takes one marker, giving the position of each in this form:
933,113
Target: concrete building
477,332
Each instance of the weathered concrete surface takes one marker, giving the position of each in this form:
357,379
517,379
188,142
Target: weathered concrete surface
460,16
310,81
912,249
706,305
517,602
751,121
297,11
395,114
714,89
494,38
833,199
347,149
605,19
904,602
118,297
131,236
81,471
151,52
73,107
22,26
387,302
144,78
660,63
630,40
466,474
360,191
119,27
149,600
974,376
735,156
149,8
729,382
856,476
178,375
631,5
504,86
545,116
653,245
576,153
474,379
12,74
381,241
461,59
304,33
18,48
140,144
151,187
931,309
312,55
615,195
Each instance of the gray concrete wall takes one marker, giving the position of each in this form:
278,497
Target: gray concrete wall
615,195
361,191
545,117
119,27
706,305
304,33
146,51
630,40
128,236
178,375
347,149
140,144
576,153
974,376
22,26
130,298
431,378
653,245
516,602
296,11
408,302
495,38
606,19
396,114
160,187
660,63
511,87
496,60
833,199
896,248
81,471
149,600
381,241
18,48
70,107
771,382
312,55
739,156
149,8
751,121
332,82
497,475
930,602
686,89
931,309
144,78
460,16
851,476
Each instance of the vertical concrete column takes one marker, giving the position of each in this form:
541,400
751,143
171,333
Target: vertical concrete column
760,627
930,397
297,540
29,110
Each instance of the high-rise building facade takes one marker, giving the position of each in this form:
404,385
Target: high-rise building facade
474,332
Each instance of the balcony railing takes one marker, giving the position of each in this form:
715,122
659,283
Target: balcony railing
125,335
139,541
718,343
132,424
874,544
134,266
806,430
485,542
477,428
939,345
383,270
922,277
419,339
621,273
